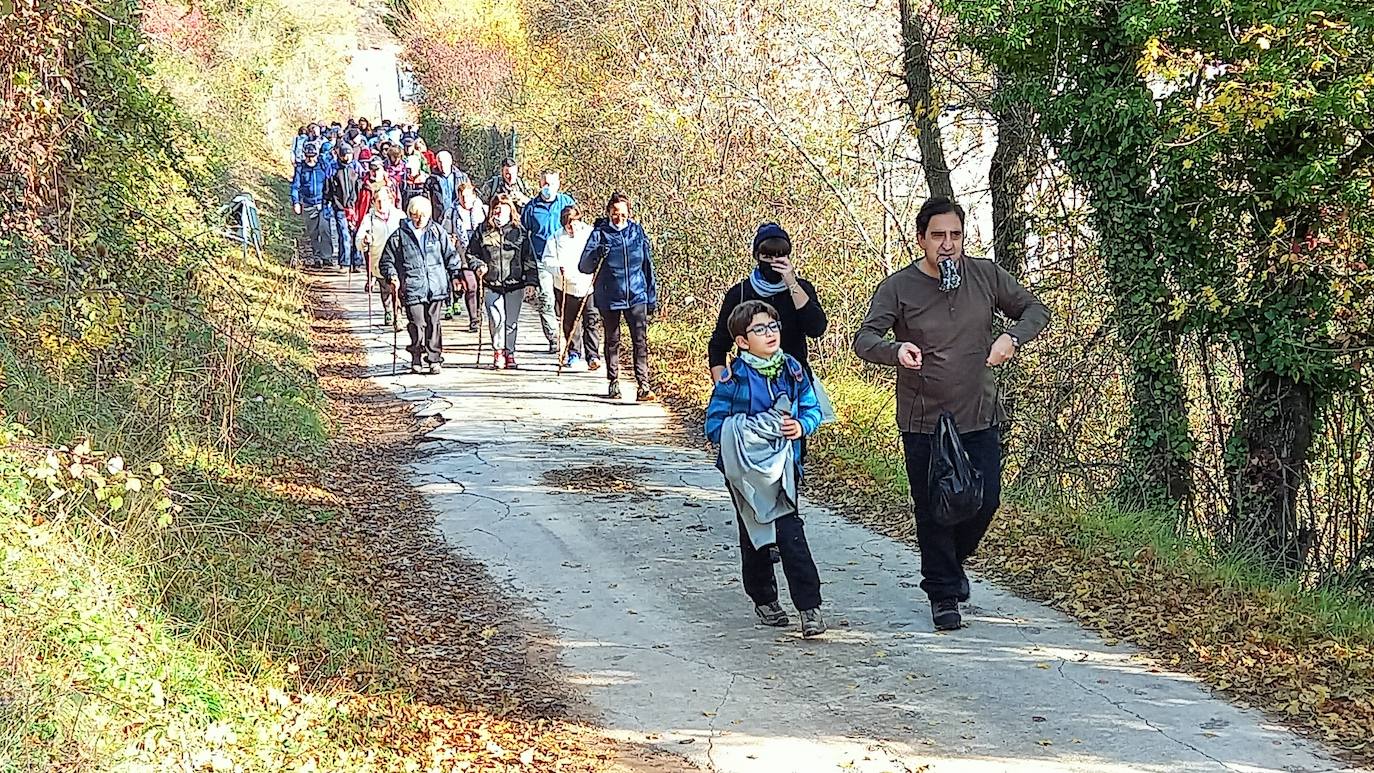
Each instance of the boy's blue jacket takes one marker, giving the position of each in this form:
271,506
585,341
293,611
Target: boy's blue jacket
732,396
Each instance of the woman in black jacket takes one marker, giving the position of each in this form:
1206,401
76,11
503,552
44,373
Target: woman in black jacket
501,255
425,261
774,280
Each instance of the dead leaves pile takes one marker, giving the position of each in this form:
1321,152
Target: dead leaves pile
600,479
1255,648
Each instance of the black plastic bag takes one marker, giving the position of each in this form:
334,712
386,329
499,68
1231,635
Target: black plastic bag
956,486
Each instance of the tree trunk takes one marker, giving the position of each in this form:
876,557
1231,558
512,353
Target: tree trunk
1270,447
1009,174
920,100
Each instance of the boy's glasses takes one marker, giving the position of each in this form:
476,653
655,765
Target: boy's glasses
761,330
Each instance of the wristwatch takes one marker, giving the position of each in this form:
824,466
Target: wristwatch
1016,342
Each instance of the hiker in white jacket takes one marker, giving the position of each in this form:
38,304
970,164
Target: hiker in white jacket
373,230
572,290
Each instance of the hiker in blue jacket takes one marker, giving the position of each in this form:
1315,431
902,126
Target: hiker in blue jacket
759,413
619,256
542,218
307,200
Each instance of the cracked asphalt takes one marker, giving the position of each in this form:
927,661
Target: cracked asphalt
640,588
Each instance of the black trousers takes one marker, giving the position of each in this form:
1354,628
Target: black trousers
425,326
756,566
637,317
944,549
582,332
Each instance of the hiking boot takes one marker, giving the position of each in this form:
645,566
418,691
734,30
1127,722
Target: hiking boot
473,328
353,269
448,313
772,615
613,393
511,364
573,361
553,347
435,368
417,368
945,614
387,318
812,622
593,365
498,361
645,395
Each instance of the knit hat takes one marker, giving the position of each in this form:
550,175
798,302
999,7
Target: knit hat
769,231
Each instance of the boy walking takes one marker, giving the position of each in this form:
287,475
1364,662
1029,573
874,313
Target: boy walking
757,415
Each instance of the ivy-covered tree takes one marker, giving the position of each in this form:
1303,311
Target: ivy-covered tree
1075,65
1269,147
1227,149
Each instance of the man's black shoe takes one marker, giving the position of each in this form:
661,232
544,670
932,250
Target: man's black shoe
945,615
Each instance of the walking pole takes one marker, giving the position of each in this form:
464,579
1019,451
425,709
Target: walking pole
395,329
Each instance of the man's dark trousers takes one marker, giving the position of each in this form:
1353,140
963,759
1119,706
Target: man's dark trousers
425,326
803,580
945,548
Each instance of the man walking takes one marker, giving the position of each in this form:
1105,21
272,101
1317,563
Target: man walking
940,311
542,217
507,181
307,200
341,191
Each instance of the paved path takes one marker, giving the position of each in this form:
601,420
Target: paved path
639,585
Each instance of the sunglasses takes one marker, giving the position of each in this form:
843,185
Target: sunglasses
765,329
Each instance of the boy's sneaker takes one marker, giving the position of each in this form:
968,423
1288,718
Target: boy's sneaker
812,622
498,361
511,364
771,615
945,615
613,393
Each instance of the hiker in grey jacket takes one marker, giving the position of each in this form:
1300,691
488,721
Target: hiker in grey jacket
423,258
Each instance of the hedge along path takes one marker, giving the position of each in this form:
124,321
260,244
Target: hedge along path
1256,648
472,688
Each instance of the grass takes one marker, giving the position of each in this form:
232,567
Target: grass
1304,655
223,635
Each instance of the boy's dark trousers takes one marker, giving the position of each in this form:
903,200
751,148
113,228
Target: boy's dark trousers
803,581
945,548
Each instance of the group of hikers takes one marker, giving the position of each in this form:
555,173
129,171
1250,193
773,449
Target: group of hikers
429,237
934,321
